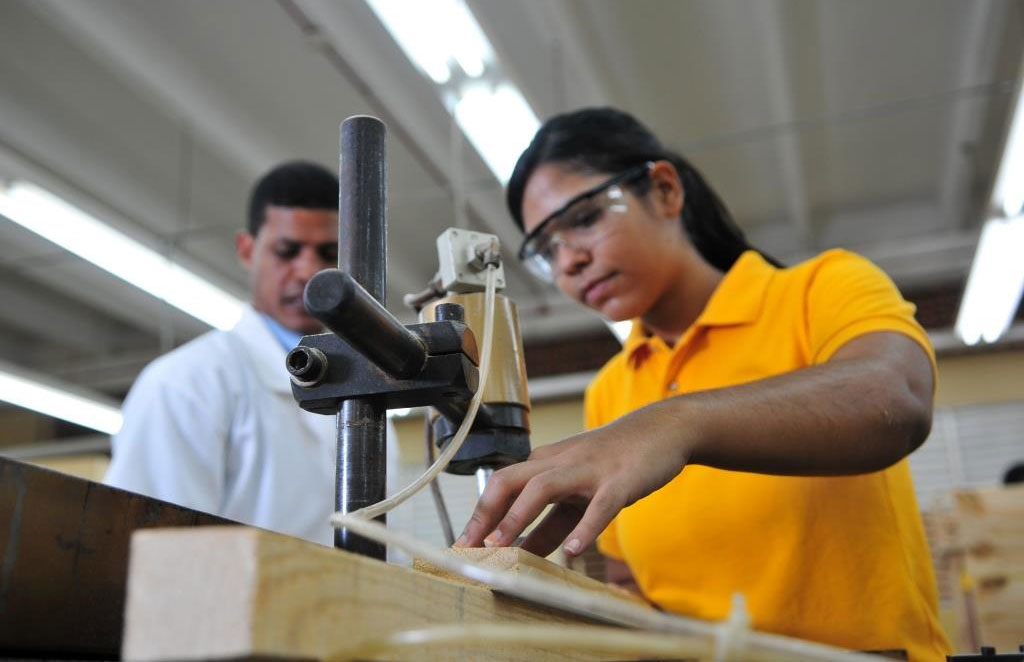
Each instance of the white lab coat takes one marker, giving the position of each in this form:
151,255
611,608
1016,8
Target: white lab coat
213,426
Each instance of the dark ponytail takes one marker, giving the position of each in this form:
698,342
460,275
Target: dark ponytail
609,141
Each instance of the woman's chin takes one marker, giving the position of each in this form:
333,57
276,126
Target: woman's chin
615,310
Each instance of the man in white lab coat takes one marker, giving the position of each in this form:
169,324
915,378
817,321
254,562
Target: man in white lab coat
213,425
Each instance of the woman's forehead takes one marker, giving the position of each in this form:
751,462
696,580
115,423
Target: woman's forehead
550,187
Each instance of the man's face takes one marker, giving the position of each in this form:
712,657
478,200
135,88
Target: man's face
293,244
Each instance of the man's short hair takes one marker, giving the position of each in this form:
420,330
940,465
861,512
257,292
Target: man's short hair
292,184
1014,474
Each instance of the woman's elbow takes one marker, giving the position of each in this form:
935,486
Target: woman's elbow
919,427
910,416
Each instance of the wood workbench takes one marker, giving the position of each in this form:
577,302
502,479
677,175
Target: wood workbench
64,559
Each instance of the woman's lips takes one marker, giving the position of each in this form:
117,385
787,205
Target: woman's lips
597,290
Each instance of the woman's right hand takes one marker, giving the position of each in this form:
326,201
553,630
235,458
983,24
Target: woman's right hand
589,477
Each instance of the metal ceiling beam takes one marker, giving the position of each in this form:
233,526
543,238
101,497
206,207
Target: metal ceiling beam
156,67
899,237
780,99
15,345
110,373
564,31
557,76
977,53
924,260
902,221
53,318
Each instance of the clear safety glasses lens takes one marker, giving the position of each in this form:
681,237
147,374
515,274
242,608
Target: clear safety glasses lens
580,226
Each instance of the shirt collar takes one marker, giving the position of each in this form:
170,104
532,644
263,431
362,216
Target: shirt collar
738,299
288,338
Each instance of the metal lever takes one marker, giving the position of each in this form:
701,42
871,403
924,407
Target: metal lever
348,310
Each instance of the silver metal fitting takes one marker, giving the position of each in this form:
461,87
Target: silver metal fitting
464,256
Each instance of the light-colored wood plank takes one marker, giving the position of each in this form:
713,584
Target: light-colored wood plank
91,466
519,561
239,592
989,531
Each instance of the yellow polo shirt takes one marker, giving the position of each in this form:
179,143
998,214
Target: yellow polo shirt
840,560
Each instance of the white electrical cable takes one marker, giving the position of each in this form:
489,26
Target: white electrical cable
381,507
731,637
591,638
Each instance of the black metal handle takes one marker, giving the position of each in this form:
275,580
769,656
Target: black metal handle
350,312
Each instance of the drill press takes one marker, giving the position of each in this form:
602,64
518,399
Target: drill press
370,362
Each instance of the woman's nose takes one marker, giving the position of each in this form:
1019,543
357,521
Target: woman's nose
570,259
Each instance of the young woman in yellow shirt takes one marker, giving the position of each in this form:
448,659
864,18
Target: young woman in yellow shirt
752,434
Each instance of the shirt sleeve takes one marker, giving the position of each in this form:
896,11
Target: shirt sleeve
173,443
847,297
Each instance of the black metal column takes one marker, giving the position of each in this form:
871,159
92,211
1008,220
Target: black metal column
362,252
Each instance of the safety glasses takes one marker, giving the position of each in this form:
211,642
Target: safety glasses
579,224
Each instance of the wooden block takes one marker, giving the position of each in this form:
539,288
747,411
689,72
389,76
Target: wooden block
991,518
64,559
989,528
520,561
92,466
216,594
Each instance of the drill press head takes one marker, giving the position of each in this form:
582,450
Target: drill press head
500,436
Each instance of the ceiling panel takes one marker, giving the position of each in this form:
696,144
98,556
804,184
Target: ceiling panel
875,125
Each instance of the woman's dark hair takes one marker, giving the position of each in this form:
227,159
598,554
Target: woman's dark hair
606,140
292,184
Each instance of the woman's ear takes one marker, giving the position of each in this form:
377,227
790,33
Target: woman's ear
666,189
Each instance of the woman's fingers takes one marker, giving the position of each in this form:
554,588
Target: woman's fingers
557,524
542,452
587,485
601,510
540,490
502,489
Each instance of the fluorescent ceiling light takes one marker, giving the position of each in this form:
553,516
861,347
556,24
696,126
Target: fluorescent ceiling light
436,34
499,123
70,228
442,37
621,330
66,403
1008,194
995,283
